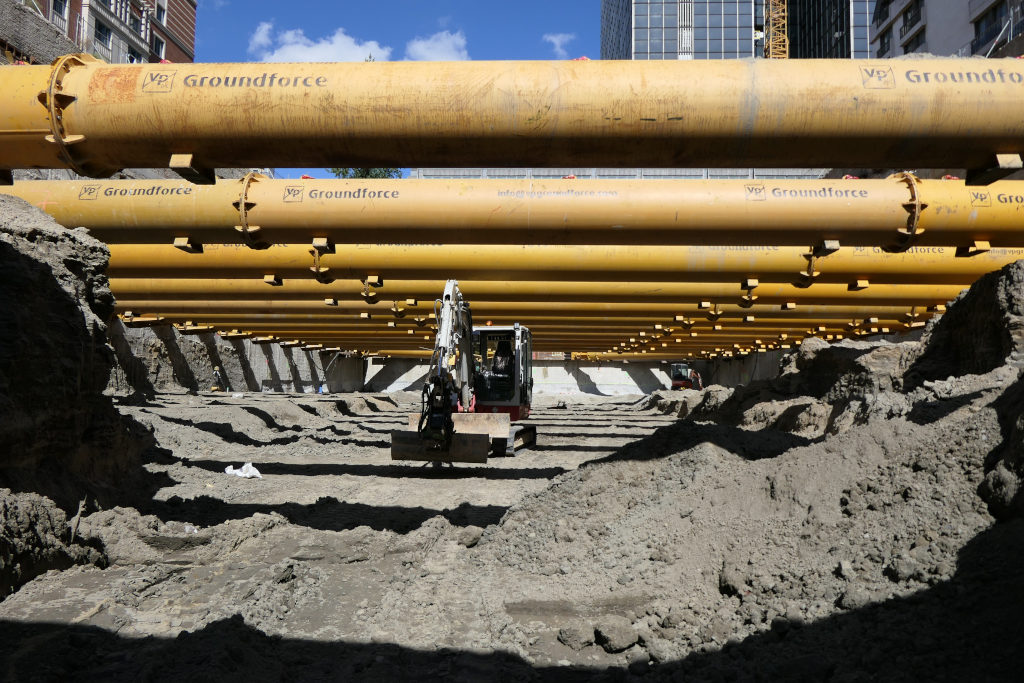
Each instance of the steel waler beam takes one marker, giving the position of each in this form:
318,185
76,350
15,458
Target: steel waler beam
97,118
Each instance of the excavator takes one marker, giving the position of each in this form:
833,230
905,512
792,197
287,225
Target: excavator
479,381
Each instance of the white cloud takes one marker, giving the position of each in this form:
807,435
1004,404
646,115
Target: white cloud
443,46
558,41
260,38
294,46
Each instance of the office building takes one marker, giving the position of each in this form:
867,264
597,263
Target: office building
963,28
681,29
830,29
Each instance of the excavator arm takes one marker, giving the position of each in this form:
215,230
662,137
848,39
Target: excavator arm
450,378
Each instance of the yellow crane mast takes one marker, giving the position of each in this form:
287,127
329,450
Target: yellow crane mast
776,42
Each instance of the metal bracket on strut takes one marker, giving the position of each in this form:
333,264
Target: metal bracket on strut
56,102
1004,165
186,166
906,236
748,299
243,205
822,250
319,272
807,276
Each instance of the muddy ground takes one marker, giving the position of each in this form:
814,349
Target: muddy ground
857,518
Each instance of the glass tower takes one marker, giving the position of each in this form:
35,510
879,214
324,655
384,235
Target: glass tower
731,29
830,29
681,29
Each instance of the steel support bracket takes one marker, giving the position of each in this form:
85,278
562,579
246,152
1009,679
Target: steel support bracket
185,166
187,245
976,247
319,272
1003,165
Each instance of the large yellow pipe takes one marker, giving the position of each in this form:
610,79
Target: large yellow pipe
871,113
693,212
489,290
918,265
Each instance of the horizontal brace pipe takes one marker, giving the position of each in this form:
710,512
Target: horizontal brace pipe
492,290
97,118
506,309
918,265
862,213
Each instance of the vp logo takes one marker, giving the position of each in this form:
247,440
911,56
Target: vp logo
874,77
980,198
755,193
89,192
158,81
293,193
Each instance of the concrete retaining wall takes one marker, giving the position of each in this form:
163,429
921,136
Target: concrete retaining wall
161,359
730,372
549,377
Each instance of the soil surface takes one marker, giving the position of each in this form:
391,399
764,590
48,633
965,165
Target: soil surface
627,543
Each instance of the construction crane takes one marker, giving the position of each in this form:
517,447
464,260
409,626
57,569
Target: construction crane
776,18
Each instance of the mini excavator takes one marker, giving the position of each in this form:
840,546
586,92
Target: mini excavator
479,382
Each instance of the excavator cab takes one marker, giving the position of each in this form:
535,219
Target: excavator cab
504,379
679,373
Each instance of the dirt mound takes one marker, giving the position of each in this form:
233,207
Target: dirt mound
58,434
826,389
34,538
982,330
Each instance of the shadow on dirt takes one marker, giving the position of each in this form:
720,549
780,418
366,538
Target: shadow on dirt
927,412
683,435
426,471
327,513
228,433
964,629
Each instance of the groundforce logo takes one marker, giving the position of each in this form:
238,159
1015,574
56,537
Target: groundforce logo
89,192
990,76
755,193
264,80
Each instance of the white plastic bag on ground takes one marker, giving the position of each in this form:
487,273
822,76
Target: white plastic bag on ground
246,470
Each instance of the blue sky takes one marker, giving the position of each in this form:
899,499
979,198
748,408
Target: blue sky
258,30
303,30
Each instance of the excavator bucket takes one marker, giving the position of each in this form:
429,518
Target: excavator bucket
410,445
502,436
